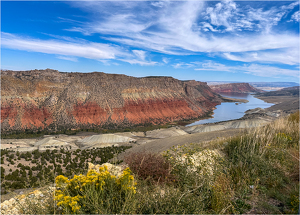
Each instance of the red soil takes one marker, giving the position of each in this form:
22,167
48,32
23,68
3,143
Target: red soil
89,113
34,117
163,110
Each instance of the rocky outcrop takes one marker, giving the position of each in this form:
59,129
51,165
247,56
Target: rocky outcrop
235,88
112,169
52,100
33,202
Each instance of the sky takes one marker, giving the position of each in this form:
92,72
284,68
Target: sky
242,41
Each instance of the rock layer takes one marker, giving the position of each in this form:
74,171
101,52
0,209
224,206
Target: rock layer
234,88
52,100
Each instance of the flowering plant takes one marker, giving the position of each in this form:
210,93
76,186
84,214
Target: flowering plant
94,192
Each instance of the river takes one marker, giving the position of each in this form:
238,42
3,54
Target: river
229,110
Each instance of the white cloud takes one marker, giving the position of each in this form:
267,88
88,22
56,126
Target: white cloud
296,16
139,58
165,60
213,66
160,3
290,6
105,62
175,28
269,71
221,14
254,69
183,65
62,19
74,59
81,49
206,27
288,56
227,14
140,62
191,43
70,50
140,54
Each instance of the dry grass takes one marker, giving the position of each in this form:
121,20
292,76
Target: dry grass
150,166
265,162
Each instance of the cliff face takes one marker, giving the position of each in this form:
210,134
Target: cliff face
48,99
234,88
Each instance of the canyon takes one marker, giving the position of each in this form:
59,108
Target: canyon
38,100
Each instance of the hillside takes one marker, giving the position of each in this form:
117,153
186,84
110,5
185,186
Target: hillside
286,99
274,85
51,100
234,88
255,172
288,91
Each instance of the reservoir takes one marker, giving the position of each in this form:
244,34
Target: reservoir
229,110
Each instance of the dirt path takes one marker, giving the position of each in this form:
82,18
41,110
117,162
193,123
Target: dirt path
166,143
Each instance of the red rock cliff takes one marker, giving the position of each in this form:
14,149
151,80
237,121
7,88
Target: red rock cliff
48,99
234,88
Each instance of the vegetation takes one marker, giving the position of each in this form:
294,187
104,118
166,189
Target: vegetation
110,129
113,128
149,166
95,193
48,164
256,172
264,164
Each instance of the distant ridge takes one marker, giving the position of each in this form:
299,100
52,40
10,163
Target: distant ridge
288,91
234,88
258,84
274,84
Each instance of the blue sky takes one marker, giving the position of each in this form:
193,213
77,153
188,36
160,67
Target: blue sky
201,40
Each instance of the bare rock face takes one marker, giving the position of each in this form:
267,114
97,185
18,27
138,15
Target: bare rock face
52,100
112,169
235,88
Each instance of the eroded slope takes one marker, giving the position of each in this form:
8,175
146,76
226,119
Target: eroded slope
52,100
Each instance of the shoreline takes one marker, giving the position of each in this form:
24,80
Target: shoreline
228,99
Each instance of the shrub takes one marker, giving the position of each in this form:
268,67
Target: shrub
192,166
150,166
200,179
96,193
294,117
294,199
221,194
36,202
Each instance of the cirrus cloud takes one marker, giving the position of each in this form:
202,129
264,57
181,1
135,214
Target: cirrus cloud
90,50
193,27
254,69
69,49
